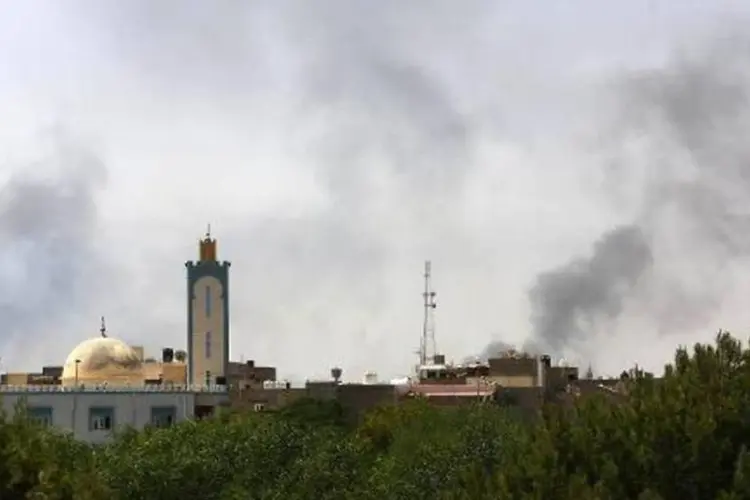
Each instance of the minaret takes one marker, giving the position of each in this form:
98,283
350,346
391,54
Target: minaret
208,315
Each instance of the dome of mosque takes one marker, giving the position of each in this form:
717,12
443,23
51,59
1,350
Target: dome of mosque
103,360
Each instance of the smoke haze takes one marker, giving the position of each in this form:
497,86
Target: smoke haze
682,126
48,224
577,175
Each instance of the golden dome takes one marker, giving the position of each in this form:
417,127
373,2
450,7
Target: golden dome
103,360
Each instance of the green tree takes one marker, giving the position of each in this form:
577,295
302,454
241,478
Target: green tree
36,462
684,436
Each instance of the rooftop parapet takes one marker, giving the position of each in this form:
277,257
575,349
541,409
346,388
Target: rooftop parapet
103,388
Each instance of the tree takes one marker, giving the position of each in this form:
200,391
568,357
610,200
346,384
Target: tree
683,436
40,463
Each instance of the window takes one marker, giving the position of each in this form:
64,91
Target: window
101,418
208,378
208,345
163,416
207,298
42,415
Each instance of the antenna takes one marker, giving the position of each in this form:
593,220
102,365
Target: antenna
103,329
208,231
428,324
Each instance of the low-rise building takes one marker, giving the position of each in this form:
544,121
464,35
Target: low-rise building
355,399
93,413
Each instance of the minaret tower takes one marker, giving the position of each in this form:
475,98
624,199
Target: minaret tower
208,315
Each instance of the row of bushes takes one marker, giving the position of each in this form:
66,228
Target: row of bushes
684,437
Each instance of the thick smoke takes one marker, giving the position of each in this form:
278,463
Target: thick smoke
48,221
569,301
681,132
498,348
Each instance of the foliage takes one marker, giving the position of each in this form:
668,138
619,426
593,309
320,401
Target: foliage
684,436
314,412
39,463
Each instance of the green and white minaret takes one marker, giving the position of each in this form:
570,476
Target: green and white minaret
208,315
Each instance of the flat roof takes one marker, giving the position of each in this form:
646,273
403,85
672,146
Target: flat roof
102,388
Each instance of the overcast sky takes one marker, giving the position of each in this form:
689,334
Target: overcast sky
336,145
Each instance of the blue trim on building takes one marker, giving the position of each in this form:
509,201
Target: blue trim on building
196,271
225,301
191,278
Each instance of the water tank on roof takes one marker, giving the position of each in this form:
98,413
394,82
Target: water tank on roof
371,378
167,355
275,384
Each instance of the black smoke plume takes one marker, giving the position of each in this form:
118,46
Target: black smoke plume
676,150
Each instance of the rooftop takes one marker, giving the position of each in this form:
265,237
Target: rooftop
216,389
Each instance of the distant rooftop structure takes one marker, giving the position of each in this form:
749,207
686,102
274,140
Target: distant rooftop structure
453,390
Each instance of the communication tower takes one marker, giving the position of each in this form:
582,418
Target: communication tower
428,347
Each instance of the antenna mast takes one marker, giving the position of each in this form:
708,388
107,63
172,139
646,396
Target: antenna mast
427,346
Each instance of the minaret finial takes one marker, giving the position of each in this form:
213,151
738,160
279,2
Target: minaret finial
103,329
208,247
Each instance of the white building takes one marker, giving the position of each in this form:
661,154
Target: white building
93,413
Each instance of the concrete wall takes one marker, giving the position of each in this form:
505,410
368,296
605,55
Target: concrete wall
72,411
249,374
355,398
358,399
512,380
174,372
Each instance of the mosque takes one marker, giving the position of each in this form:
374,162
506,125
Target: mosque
106,383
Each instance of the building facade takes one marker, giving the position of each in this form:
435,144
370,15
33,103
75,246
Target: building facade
106,384
93,413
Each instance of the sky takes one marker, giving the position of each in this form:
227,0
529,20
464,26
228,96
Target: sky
577,173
